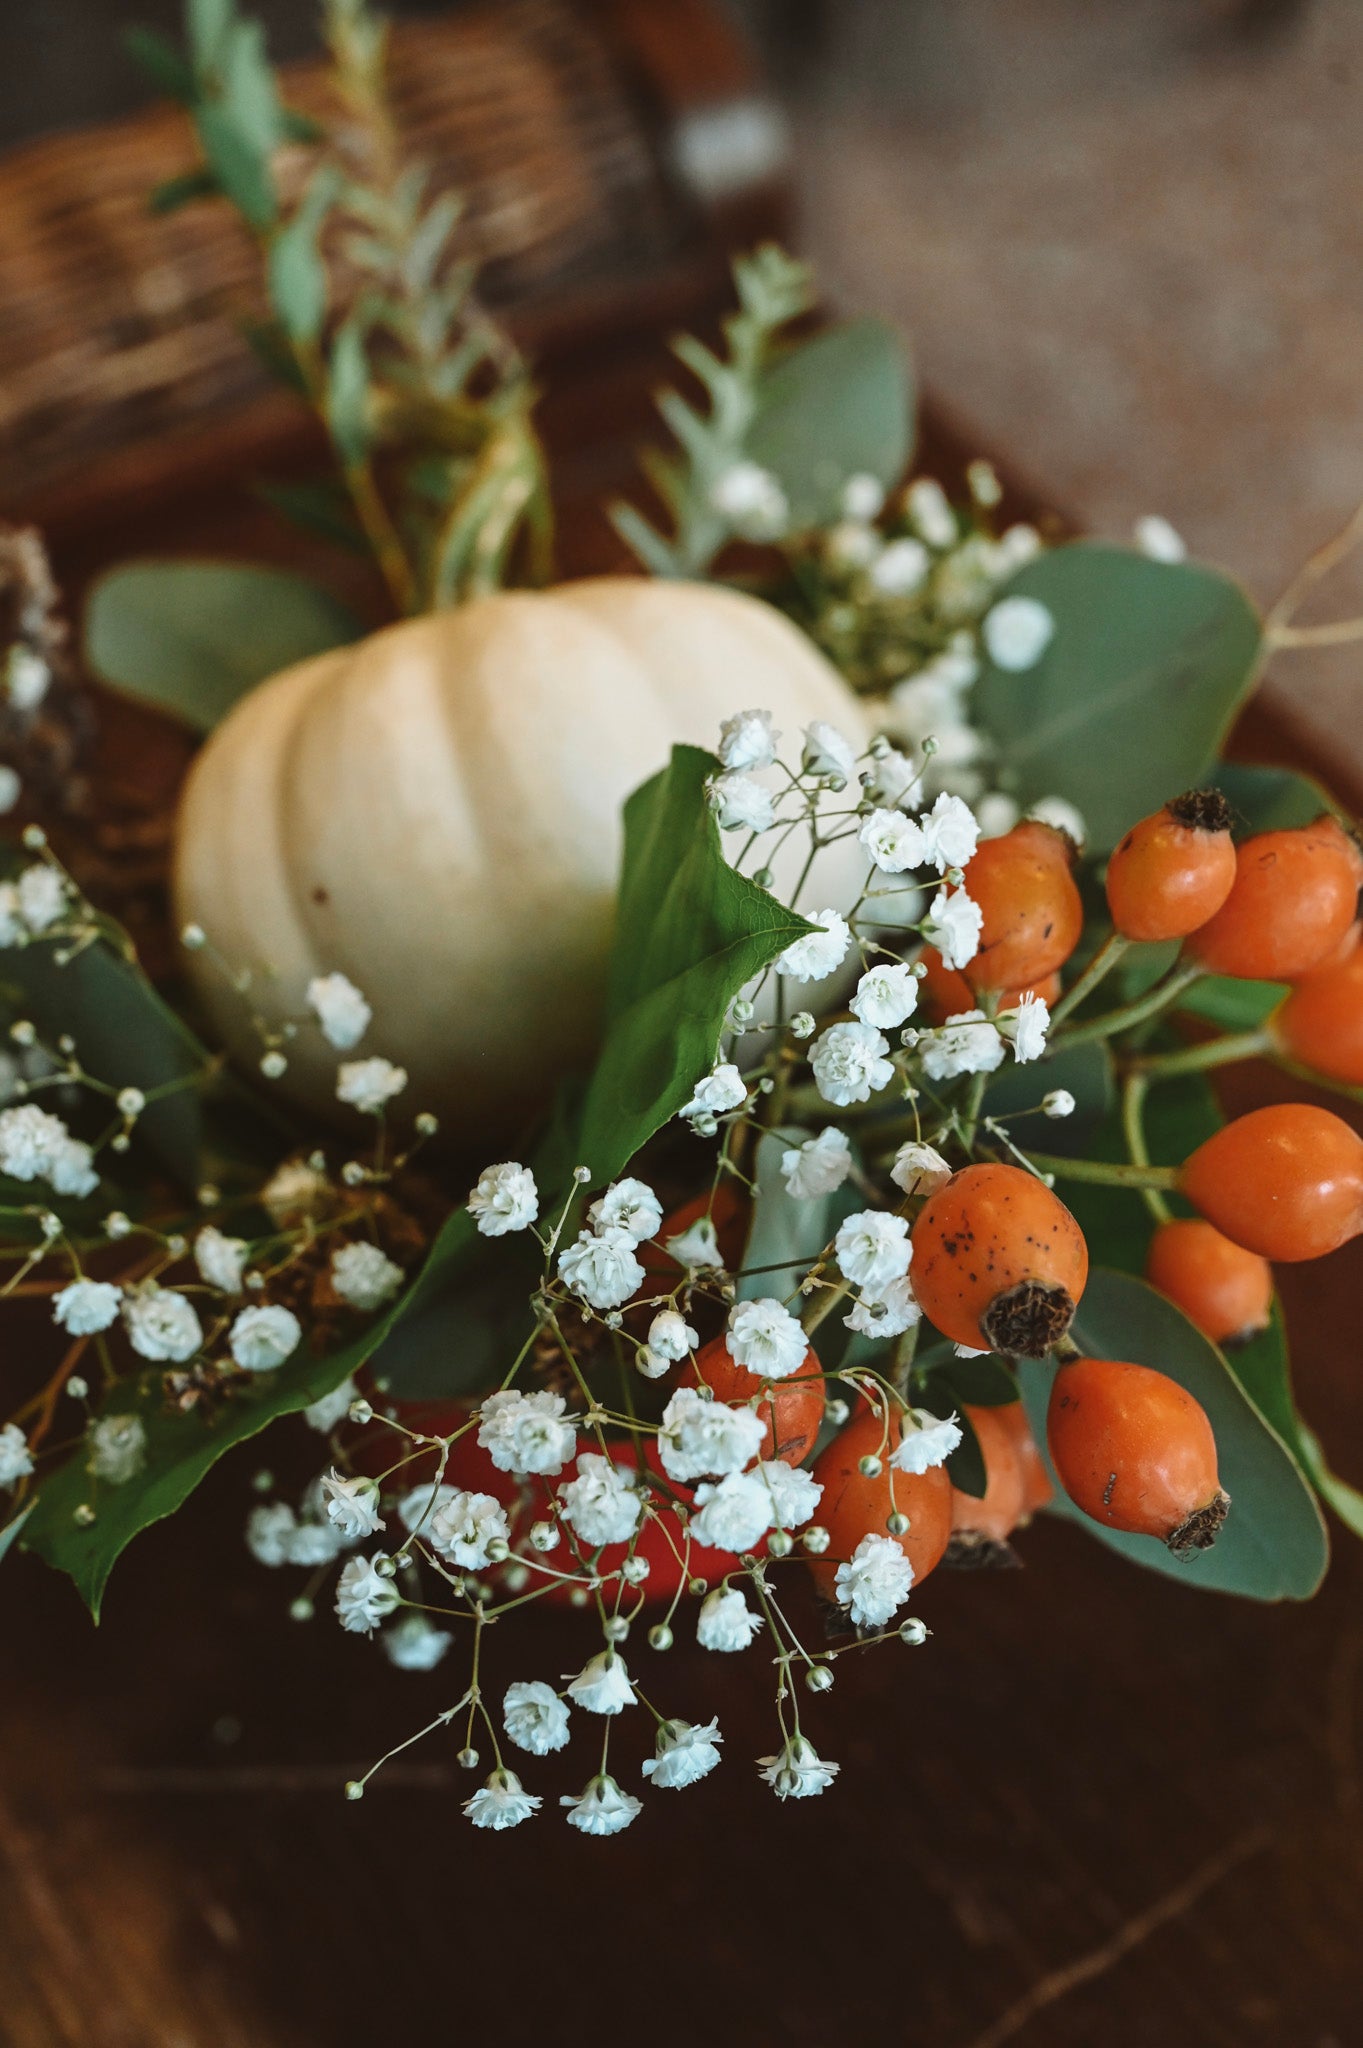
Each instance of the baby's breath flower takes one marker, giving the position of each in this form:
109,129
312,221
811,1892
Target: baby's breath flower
951,833
118,1448
953,926
766,1338
15,1460
1027,1027
324,1414
601,1268
797,1771
296,1190
901,568
526,1432
930,512
893,843
603,1685
1058,1102
369,1085
965,1044
352,1506
628,1205
849,1064
1017,632
269,1528
747,740
1064,816
414,1643
502,1802
829,754
740,804
162,1325
602,1809
686,1754
697,1247
220,1260
819,1166
364,1596
423,1501
794,1493
42,896
925,1440
751,500
340,1009
726,1622
919,1169
874,1581
888,1313
1159,540
364,1276
997,813
819,952
462,1528
262,1338
732,1514
670,1336
873,1249
535,1717
699,1436
87,1306
601,1502
504,1199
886,996
723,1088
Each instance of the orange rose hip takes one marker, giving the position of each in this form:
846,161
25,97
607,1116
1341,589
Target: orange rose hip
1135,1451
1032,912
1226,1290
999,1263
1294,897
857,1504
1016,1484
1174,870
1286,1181
791,1409
1321,1022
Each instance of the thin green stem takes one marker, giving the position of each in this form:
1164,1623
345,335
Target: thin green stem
1180,977
1105,1172
1102,963
1133,1128
1200,1059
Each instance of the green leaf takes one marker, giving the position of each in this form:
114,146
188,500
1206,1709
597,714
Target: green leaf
1085,1070
837,406
248,87
975,1382
193,637
209,23
297,273
173,193
348,394
239,164
1130,702
1234,1005
690,933
1337,1493
321,506
1272,799
157,57
1273,1545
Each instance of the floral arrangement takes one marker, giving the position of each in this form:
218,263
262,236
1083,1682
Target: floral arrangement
781,1307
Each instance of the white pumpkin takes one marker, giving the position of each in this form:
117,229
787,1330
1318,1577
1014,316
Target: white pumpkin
435,812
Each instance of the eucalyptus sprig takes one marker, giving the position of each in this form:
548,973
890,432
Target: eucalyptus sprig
375,320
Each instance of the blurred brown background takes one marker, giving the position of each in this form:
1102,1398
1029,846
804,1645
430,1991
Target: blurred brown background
1097,1808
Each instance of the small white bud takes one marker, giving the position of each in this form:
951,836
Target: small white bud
193,937
273,1064
1058,1103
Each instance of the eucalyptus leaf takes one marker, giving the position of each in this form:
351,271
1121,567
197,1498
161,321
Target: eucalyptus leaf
1273,1545
9,1535
193,637
984,1382
1234,1005
965,1466
836,406
1128,705
240,167
1272,799
1337,1493
157,57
